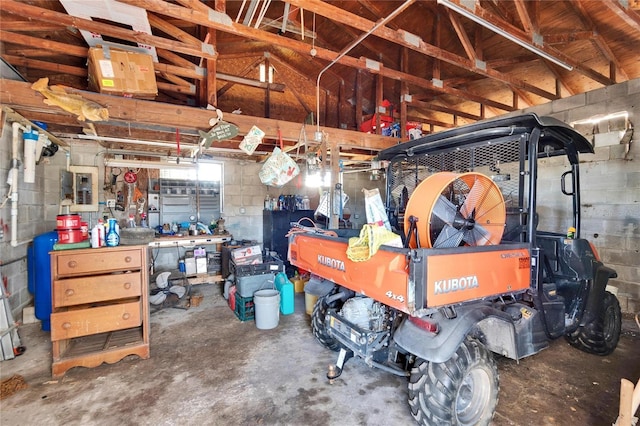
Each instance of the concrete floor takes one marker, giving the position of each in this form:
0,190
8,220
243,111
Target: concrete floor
208,368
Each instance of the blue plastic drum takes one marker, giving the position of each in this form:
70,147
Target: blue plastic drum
42,245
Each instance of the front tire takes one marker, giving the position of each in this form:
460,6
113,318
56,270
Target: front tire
318,326
458,392
600,337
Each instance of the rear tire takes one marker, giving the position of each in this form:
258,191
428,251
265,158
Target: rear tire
318,326
600,337
462,391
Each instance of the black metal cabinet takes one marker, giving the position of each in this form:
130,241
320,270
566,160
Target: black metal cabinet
276,225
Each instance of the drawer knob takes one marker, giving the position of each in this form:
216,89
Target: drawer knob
126,316
72,264
69,292
66,325
127,259
127,286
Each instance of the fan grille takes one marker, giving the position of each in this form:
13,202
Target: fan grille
456,209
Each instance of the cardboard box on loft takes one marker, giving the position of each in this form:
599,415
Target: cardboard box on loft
122,73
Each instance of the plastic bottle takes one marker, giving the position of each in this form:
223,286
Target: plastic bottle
97,235
285,287
113,238
103,234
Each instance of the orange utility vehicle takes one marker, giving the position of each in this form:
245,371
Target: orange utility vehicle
477,273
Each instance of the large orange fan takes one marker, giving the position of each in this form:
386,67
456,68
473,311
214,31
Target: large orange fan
456,209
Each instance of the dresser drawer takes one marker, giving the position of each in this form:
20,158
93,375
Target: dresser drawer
78,291
88,262
83,322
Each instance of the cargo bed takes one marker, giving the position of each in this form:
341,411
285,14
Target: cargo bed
412,280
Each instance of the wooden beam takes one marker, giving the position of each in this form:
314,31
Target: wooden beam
82,52
128,110
516,32
277,87
404,90
51,67
292,87
321,53
358,94
164,26
568,37
462,35
629,16
527,24
175,59
398,37
242,73
447,110
46,15
600,43
193,72
29,26
25,40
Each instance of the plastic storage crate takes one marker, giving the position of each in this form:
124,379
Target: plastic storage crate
269,265
244,308
249,284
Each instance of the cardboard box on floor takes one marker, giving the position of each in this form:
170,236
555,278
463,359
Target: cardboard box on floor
123,73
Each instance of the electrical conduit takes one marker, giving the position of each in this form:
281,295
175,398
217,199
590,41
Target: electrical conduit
13,177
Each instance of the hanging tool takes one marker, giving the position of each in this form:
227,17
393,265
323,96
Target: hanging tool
131,177
177,145
115,172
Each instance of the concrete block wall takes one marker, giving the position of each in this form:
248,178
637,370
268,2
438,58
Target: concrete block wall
610,185
35,216
243,191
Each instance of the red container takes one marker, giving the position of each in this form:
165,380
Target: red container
68,221
66,236
84,227
232,298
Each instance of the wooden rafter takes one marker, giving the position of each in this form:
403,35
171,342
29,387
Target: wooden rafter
527,23
194,16
46,15
157,22
398,37
462,35
516,32
600,43
630,16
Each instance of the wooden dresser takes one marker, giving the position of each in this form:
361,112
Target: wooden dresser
100,310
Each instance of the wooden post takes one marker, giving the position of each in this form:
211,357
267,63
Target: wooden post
335,178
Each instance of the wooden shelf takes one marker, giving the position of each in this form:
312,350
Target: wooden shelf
204,279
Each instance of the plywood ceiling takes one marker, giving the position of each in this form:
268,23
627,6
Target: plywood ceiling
433,65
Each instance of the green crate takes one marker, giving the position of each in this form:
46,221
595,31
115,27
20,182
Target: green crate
245,310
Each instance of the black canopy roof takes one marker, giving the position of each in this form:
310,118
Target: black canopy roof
557,138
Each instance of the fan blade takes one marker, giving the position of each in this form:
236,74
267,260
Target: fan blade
474,197
448,237
158,298
478,236
445,210
178,290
